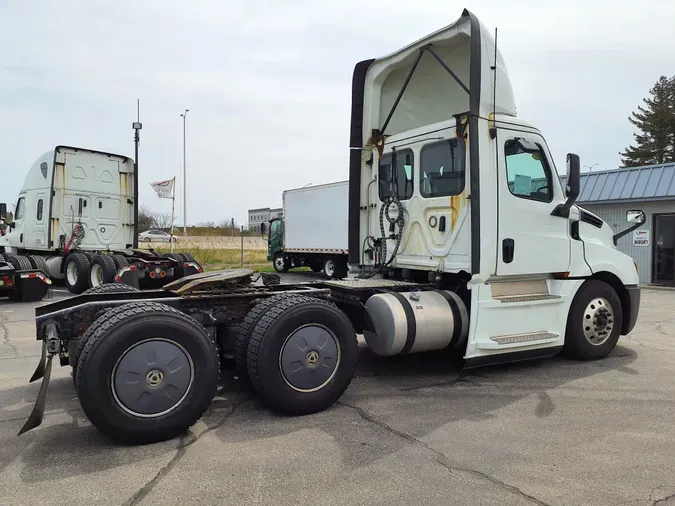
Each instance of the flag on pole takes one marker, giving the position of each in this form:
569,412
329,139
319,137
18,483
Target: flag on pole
164,189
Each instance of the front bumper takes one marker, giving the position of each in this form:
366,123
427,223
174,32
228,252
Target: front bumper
630,316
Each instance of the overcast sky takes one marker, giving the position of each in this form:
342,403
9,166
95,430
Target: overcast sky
268,83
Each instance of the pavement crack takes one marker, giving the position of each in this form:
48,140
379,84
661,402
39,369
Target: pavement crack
454,381
184,443
5,335
667,498
439,457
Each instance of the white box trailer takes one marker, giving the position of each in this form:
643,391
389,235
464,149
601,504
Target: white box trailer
313,231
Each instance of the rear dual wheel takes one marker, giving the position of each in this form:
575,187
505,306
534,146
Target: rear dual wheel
299,353
146,373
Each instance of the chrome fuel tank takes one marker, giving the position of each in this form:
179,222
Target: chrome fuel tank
417,321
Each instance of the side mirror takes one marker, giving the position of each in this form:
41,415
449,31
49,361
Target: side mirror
572,188
263,228
636,217
3,210
9,219
573,177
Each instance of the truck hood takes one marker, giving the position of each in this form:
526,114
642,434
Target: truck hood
431,92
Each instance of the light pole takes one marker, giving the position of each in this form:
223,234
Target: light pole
184,116
590,167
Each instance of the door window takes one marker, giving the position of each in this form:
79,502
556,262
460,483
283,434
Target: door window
274,229
443,168
402,176
528,174
20,205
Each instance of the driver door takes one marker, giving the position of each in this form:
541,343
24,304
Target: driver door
531,240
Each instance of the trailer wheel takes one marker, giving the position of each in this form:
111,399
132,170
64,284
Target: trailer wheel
19,262
280,263
120,261
594,322
147,373
302,355
102,270
37,262
246,328
76,272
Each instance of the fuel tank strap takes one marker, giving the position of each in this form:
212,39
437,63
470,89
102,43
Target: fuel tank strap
410,322
456,317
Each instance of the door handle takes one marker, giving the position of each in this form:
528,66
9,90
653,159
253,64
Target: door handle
508,247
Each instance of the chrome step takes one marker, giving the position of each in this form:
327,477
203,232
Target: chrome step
523,338
526,298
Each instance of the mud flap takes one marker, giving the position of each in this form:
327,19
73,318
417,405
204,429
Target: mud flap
40,369
36,416
33,289
128,277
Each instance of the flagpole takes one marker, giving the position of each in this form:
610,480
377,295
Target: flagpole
173,206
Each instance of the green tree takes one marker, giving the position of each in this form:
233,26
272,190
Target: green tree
655,124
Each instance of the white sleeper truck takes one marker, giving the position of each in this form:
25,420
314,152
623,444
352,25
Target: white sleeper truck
461,238
75,219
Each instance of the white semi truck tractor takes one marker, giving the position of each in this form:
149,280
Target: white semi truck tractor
75,219
461,238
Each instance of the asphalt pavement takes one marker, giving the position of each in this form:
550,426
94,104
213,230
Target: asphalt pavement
409,430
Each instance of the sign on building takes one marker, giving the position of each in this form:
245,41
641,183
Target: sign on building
641,238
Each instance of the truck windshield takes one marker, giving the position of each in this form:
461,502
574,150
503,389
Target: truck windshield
403,175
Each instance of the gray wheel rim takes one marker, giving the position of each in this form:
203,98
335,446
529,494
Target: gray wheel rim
96,275
309,358
598,321
329,268
72,274
152,378
279,262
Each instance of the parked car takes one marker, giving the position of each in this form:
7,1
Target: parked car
156,236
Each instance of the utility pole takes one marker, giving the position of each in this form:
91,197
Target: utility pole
137,125
184,116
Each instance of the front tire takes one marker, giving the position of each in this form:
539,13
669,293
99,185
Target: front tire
301,355
594,322
175,385
280,262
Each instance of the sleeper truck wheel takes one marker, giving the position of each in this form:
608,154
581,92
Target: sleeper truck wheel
101,270
19,262
301,355
147,373
79,344
594,322
120,261
76,273
37,262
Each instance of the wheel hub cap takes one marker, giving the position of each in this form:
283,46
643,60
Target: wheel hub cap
598,321
309,358
152,378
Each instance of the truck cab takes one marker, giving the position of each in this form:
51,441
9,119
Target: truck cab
275,238
448,185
